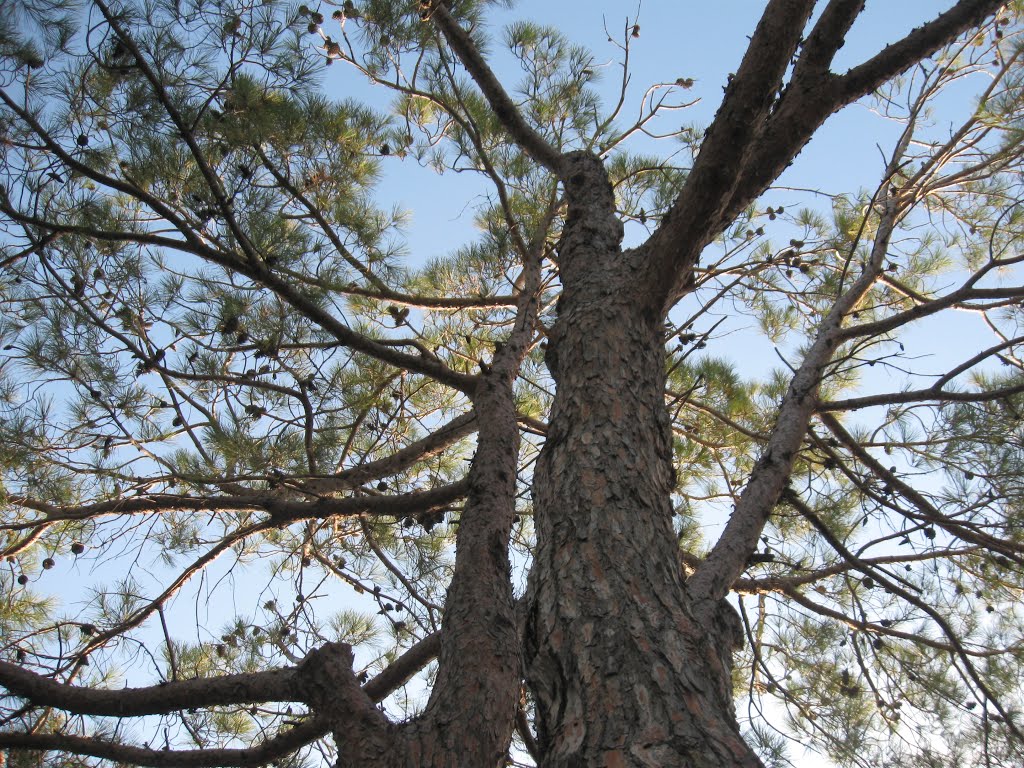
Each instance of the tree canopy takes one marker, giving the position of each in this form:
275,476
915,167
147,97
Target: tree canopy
663,432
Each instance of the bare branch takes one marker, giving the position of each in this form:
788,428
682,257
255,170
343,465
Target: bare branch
698,212
281,508
248,688
811,99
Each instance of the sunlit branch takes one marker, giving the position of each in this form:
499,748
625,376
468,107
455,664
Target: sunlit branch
956,298
918,396
713,579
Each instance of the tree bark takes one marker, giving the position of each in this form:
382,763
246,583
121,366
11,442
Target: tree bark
621,671
470,716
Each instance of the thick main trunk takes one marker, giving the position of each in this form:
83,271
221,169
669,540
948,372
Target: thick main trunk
621,672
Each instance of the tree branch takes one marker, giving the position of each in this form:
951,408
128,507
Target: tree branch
254,269
402,459
700,209
275,685
274,748
402,669
817,93
928,512
918,44
917,396
827,37
504,109
737,162
714,577
958,647
280,509
247,688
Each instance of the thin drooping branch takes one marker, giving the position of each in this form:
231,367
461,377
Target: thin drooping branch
504,108
428,364
959,651
926,509
862,625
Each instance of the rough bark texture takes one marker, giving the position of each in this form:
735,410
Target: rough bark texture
471,713
621,672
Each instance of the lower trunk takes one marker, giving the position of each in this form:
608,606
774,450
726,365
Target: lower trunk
621,672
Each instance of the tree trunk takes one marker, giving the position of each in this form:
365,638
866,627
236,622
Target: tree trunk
470,716
621,672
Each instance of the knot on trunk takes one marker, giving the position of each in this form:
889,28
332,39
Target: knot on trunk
329,686
586,182
326,672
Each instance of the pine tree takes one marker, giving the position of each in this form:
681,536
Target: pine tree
277,492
